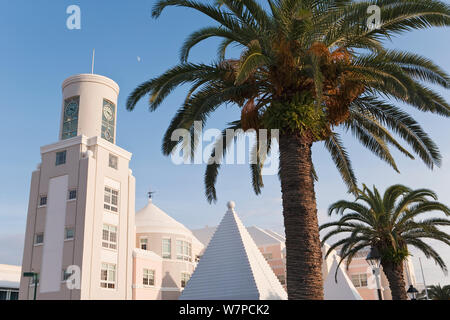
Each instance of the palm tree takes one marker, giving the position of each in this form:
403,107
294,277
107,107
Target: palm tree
390,224
306,67
438,292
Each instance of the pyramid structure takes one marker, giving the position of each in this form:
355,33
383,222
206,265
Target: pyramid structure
232,267
343,289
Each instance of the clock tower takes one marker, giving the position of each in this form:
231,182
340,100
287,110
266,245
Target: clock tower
80,225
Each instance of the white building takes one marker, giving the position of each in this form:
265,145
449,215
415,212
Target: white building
81,208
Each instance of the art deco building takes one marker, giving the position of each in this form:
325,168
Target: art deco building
81,205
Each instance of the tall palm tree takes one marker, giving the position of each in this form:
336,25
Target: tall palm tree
438,292
306,67
390,224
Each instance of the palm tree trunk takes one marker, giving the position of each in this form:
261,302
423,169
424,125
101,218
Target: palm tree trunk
394,274
303,251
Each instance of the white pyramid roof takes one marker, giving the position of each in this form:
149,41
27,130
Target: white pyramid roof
152,219
343,289
232,267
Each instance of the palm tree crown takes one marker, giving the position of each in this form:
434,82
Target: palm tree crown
390,223
309,66
438,292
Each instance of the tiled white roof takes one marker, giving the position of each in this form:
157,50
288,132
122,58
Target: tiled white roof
232,267
343,289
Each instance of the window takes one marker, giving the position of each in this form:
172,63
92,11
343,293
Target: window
111,199
184,251
267,256
42,201
282,279
113,161
69,233
70,121
72,194
144,243
184,279
39,238
109,237
359,280
166,249
60,158
108,276
148,278
14,295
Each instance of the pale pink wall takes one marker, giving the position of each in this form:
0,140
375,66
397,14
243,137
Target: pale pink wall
141,292
277,262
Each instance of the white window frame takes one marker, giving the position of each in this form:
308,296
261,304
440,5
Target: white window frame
66,238
42,196
185,277
358,277
57,163
143,241
110,270
108,200
164,253
36,237
68,195
186,250
148,277
112,164
108,243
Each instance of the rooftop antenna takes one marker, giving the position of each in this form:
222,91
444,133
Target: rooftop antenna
93,61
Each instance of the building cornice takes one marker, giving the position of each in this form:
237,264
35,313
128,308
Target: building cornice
86,77
81,139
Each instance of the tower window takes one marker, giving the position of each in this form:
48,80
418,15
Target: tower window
70,120
42,201
166,248
109,237
108,276
113,161
60,158
184,250
144,243
72,194
184,279
111,199
69,233
148,277
39,238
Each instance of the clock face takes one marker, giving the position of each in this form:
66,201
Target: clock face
108,112
71,109
108,134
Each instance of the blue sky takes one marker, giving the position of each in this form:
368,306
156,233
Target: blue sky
38,52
